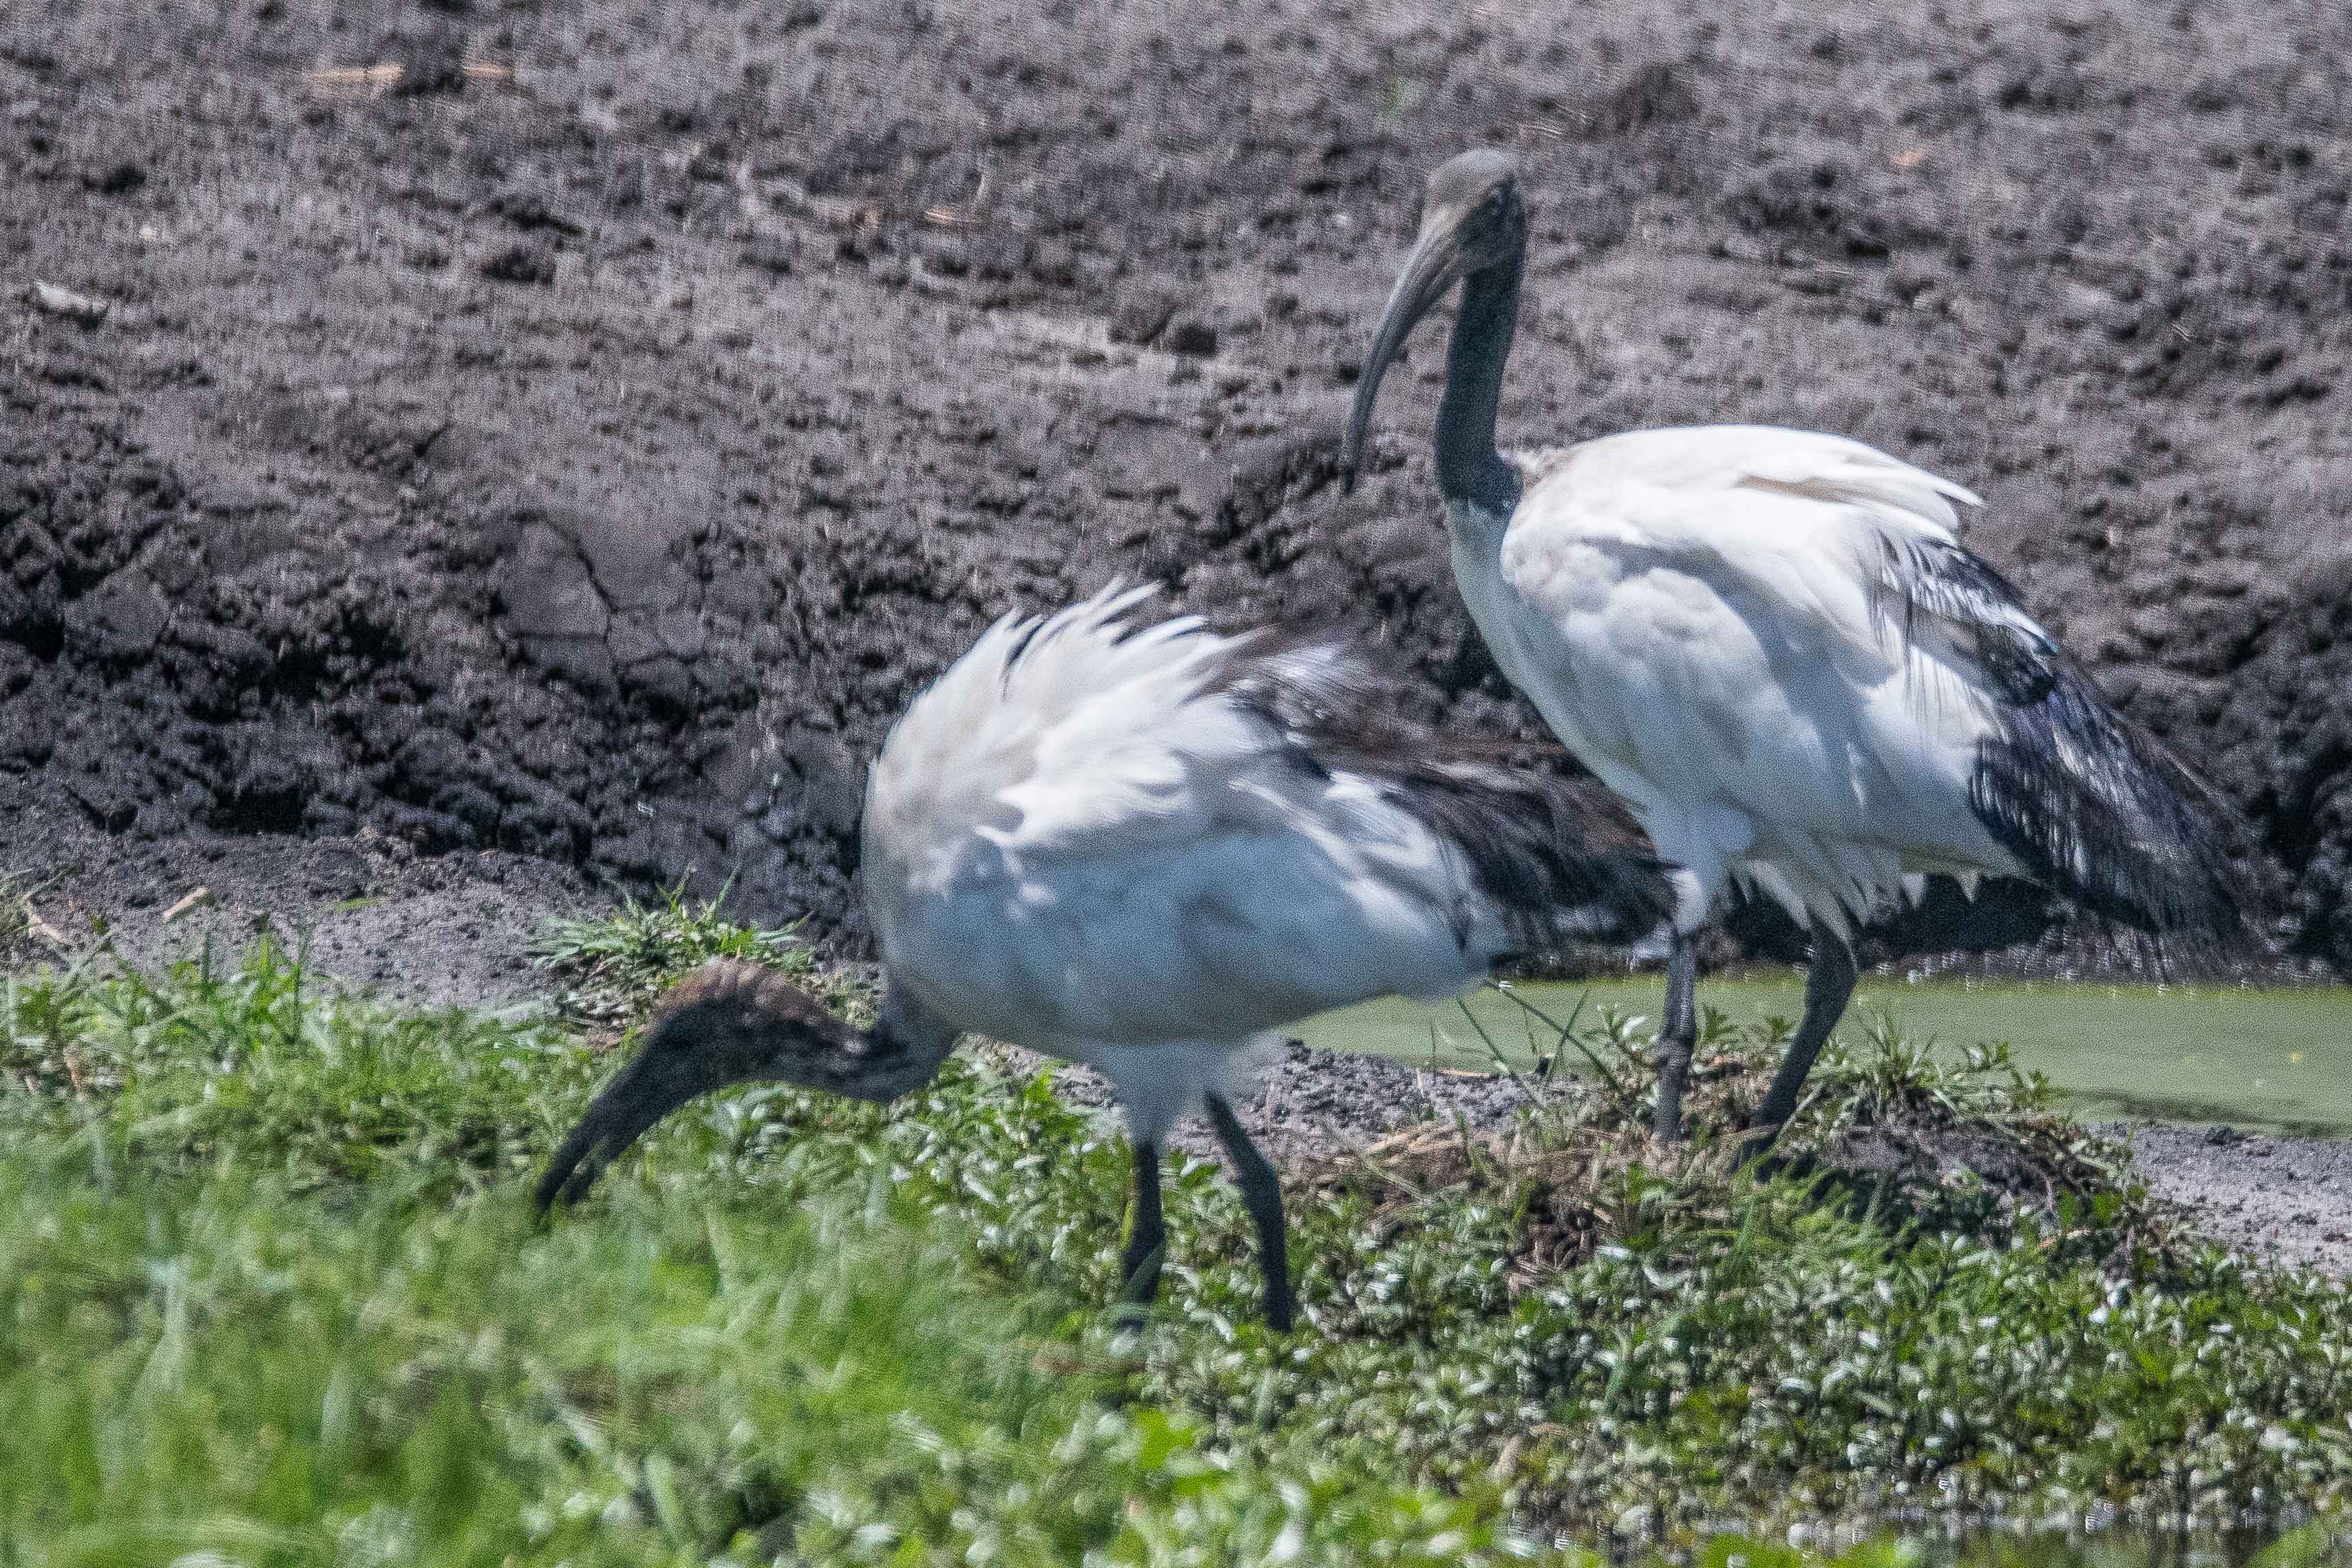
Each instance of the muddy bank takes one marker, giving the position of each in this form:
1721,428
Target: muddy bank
575,432
2280,1200
458,930
430,931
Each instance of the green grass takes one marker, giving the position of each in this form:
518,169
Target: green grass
258,1064
268,1290
270,1293
227,1366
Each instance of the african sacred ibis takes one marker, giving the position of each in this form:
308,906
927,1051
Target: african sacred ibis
1772,644
1141,847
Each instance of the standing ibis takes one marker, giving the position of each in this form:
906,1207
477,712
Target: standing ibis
1143,846
1773,646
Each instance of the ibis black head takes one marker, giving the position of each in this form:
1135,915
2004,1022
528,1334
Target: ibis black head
730,1023
1474,226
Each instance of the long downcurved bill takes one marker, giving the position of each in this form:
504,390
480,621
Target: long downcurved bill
640,1095
1433,267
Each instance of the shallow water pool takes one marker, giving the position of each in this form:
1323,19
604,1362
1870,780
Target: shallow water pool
2273,1058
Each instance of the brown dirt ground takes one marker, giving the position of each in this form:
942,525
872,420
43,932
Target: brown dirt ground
508,449
575,430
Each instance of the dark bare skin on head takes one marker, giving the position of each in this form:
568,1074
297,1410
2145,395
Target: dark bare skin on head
735,1023
1474,231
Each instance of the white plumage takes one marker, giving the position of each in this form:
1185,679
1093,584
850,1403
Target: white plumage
1099,843
1084,839
1720,622
1773,646
1143,847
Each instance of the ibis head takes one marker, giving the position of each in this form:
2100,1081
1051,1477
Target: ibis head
733,1023
1474,226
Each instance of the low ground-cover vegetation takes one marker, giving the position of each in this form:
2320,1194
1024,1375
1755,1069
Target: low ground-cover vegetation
270,1291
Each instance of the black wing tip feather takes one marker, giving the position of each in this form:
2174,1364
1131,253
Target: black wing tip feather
2089,802
1944,580
2103,811
1561,858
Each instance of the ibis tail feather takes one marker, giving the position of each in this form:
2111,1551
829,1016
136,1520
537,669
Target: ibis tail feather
1560,856
2101,810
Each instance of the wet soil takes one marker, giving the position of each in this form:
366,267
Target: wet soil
2277,1199
575,432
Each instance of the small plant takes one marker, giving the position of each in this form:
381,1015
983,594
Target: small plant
621,960
18,917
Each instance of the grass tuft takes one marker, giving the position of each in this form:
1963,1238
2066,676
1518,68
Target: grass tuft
224,1366
260,1060
273,1295
618,961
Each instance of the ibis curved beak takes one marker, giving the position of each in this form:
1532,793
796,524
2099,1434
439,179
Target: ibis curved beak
664,1075
735,1023
1433,265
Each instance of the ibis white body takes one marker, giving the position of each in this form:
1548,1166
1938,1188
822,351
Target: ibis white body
1088,840
1772,644
1701,614
1143,847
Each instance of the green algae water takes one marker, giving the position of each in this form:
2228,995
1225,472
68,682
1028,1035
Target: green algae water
2275,1058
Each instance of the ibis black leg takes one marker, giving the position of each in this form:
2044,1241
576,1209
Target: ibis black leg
1146,1245
1829,986
1263,1193
1678,1034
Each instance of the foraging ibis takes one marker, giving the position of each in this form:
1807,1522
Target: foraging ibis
1143,846
1774,646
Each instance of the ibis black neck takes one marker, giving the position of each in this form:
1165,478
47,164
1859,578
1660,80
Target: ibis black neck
1469,469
